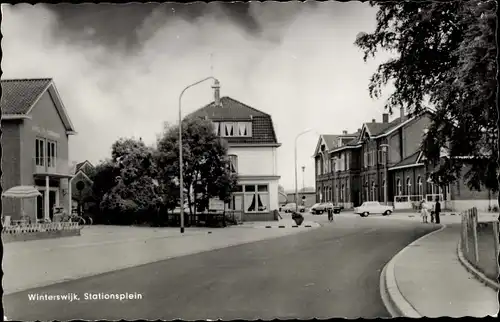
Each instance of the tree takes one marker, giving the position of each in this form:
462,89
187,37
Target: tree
445,60
206,171
132,189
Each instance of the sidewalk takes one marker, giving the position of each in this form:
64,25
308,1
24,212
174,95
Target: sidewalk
427,279
103,249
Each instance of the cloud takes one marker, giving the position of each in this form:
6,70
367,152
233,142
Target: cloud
300,66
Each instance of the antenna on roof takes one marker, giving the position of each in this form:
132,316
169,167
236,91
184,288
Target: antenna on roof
212,64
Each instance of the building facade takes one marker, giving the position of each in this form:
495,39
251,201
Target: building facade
384,163
35,135
253,148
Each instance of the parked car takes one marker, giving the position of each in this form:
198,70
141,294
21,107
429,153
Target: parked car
289,207
373,207
319,208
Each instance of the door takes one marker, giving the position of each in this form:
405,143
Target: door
52,203
39,205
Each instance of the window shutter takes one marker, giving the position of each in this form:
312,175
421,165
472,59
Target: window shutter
216,128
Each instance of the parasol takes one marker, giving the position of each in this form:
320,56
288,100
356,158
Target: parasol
22,192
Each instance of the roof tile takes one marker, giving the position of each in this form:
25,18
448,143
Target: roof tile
233,110
19,95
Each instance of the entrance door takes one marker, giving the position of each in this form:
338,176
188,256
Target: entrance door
238,203
39,205
52,203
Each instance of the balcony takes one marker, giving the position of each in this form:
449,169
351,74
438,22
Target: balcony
56,167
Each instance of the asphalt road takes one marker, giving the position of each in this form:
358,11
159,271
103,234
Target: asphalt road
332,271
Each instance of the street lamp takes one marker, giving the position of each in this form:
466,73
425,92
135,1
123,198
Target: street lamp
303,180
181,180
336,184
296,191
386,148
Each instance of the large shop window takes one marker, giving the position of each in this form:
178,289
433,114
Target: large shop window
256,198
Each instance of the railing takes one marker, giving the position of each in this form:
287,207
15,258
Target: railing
480,243
48,165
34,228
407,201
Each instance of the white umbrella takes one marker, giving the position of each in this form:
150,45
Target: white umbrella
22,192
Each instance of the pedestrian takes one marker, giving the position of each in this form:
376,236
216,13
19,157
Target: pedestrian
424,208
437,211
330,214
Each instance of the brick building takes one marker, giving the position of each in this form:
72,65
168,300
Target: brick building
383,162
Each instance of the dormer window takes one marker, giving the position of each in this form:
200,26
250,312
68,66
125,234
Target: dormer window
233,129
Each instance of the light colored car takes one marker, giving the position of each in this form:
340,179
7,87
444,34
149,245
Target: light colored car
320,208
373,207
289,207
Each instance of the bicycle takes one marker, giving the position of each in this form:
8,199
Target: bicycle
73,218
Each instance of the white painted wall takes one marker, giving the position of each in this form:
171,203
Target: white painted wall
480,204
256,161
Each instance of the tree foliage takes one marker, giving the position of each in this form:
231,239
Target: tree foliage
205,164
444,59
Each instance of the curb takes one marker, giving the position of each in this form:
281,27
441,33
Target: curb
293,226
393,300
478,275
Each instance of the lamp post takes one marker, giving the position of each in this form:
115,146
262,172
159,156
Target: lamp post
303,180
386,148
335,183
181,181
296,191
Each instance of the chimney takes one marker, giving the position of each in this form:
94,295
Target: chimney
373,120
385,118
402,113
216,88
344,132
359,130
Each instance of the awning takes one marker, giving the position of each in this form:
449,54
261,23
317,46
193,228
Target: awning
21,192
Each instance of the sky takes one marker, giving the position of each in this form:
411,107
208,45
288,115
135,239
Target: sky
119,69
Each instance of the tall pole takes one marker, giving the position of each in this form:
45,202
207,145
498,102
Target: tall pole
181,179
385,148
303,180
296,191
295,157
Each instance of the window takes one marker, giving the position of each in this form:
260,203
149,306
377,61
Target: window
398,185
244,128
229,128
39,152
216,128
373,191
419,186
365,159
342,192
233,163
256,198
367,193
408,186
381,157
51,153
233,129
347,161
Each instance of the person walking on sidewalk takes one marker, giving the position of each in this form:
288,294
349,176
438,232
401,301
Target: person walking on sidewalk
424,210
437,211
